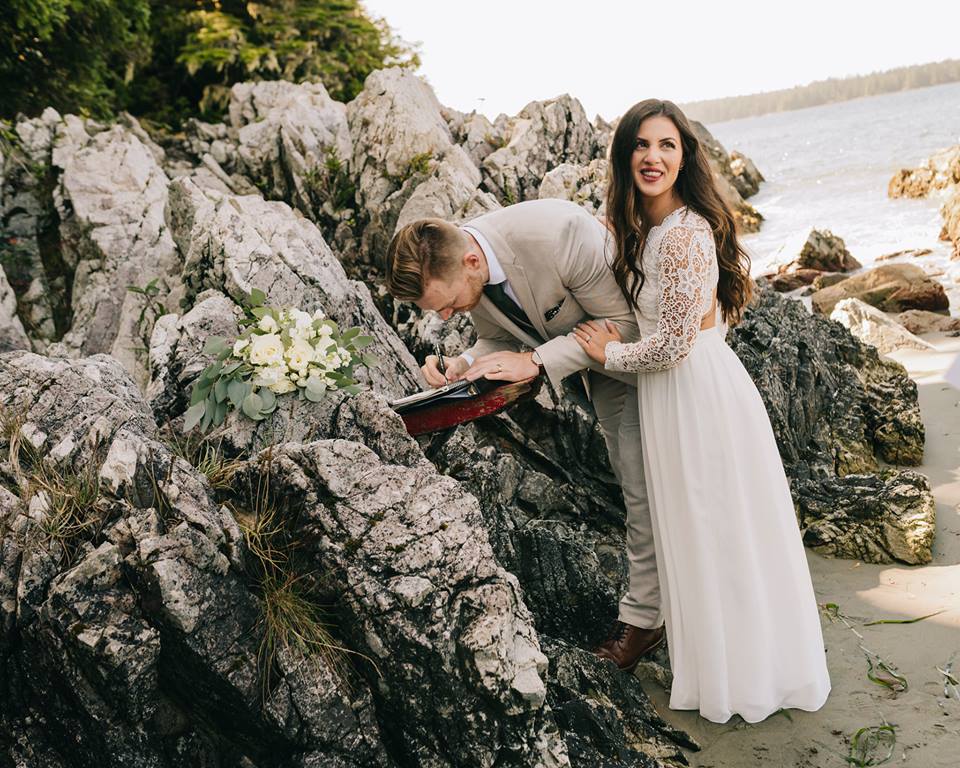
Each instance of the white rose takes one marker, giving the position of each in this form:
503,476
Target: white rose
269,376
301,319
299,355
325,330
238,347
283,386
266,349
268,324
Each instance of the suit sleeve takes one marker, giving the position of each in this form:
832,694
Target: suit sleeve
584,267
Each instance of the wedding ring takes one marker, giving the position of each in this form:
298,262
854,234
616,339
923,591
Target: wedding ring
588,337
499,367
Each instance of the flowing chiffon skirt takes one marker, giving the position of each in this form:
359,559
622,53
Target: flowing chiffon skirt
742,622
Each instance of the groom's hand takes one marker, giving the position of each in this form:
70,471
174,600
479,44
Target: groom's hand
503,366
455,367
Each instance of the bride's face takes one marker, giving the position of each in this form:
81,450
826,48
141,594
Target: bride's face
657,155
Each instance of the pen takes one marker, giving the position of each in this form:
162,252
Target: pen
440,365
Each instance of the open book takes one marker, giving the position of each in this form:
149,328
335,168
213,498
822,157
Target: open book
434,396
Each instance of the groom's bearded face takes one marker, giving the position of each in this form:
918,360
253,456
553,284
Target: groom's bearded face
459,292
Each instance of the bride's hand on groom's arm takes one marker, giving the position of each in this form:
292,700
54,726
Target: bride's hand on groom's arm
593,336
503,366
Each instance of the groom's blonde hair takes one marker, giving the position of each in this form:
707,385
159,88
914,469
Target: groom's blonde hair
425,249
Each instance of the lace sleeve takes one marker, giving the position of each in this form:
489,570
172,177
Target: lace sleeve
686,256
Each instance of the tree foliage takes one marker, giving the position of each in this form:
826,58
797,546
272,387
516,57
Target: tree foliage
169,59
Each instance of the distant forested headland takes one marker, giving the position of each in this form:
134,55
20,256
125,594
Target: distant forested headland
824,92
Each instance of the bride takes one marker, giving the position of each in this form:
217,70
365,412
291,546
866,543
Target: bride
742,625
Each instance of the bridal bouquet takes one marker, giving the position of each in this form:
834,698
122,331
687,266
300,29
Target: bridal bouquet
279,352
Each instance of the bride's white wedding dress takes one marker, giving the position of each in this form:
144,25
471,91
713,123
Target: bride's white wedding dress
742,622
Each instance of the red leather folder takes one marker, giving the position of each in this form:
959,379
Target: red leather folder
445,414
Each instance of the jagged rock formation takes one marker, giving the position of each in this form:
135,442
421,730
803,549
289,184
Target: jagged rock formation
810,255
938,174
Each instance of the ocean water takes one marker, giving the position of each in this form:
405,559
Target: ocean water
829,166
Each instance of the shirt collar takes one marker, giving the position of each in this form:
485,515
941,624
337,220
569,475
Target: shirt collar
497,275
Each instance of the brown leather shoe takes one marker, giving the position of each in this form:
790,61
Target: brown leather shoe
627,644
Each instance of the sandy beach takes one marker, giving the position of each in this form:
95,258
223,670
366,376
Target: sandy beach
927,723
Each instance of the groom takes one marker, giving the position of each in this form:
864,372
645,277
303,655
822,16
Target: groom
527,274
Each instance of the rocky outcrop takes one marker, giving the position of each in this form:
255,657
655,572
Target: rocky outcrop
890,287
12,335
585,185
837,408
878,518
940,171
113,236
951,222
29,235
404,155
808,256
876,328
544,135
733,177
288,137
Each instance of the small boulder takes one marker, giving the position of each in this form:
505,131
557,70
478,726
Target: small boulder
890,287
921,321
872,326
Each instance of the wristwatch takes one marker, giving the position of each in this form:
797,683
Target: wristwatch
535,357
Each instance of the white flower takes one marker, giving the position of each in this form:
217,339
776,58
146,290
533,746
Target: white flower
318,315
346,357
238,347
266,349
268,324
325,342
269,376
325,330
301,319
283,386
300,355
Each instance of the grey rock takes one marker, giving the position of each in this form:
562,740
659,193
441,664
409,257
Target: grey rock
12,335
882,518
874,327
585,185
114,236
286,133
544,135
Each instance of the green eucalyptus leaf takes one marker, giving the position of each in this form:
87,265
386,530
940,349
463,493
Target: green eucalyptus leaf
349,334
256,298
259,312
220,413
220,389
269,401
199,393
353,389
193,416
214,345
313,395
230,368
236,391
370,361
362,341
207,418
251,406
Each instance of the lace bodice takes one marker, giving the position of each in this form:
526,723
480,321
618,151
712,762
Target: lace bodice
681,273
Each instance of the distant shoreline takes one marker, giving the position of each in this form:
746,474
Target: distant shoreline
828,91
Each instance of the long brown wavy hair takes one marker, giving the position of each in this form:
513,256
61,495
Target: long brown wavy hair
698,191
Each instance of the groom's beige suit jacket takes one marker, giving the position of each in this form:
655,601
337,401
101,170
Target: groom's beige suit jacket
557,259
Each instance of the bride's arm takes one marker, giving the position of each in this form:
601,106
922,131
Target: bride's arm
686,255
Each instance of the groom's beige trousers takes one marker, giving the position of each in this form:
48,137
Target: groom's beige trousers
616,406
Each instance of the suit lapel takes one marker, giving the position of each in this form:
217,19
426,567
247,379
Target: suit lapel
517,277
493,312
